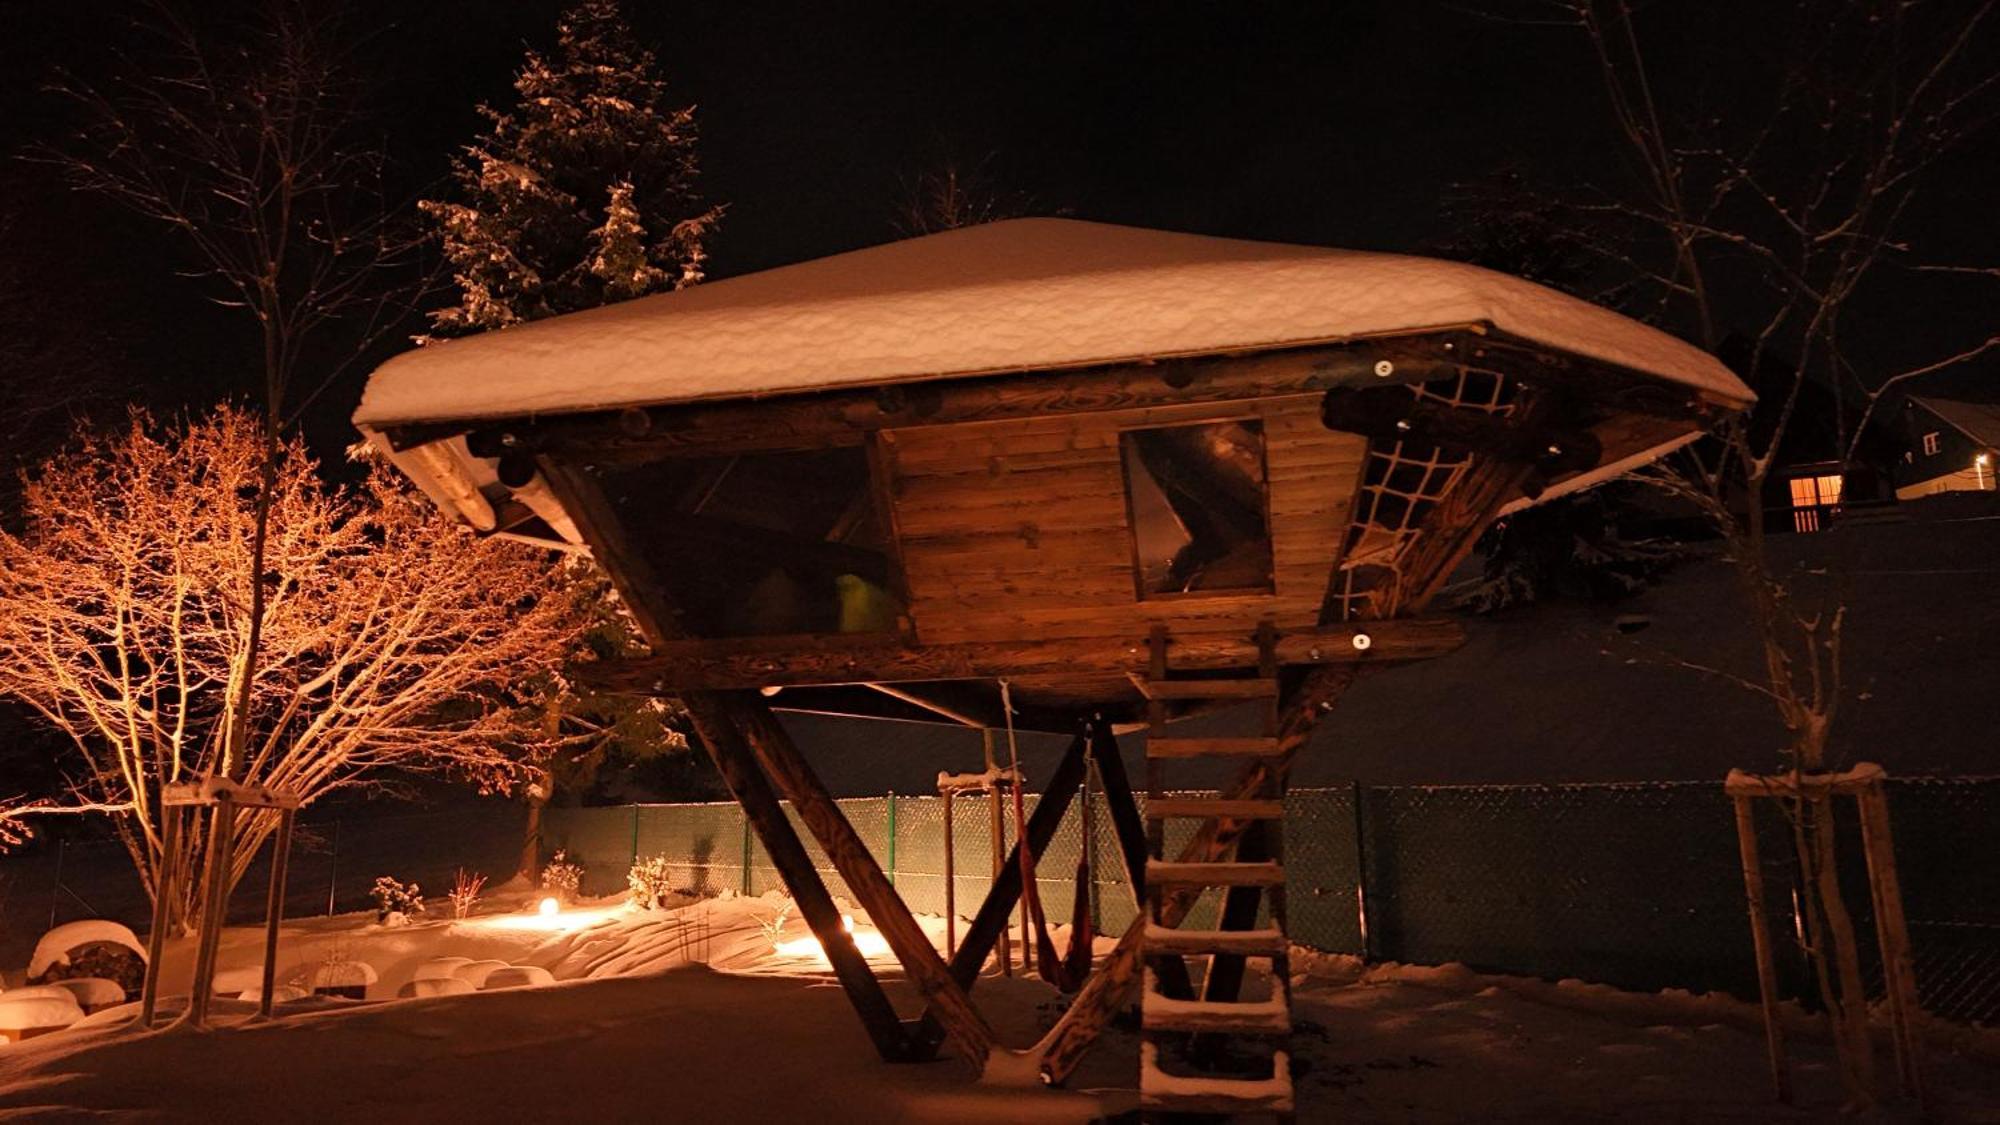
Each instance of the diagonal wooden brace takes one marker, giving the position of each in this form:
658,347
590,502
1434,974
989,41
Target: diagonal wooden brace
781,760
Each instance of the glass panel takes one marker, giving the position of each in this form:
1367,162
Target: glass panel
1199,507
764,544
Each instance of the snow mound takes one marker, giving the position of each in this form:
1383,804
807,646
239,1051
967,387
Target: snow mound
238,978
38,1013
280,994
475,973
439,968
91,993
1021,295
55,946
437,986
517,976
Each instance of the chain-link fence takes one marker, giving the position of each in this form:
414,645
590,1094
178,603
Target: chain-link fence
335,861
1636,885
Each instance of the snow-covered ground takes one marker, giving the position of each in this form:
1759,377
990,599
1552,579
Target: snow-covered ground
692,1013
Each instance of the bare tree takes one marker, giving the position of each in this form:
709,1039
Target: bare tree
394,641
955,195
243,144
1778,218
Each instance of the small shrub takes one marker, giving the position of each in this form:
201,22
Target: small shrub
651,882
775,927
392,897
465,888
562,878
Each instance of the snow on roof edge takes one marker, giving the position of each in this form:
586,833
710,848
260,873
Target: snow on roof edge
1024,295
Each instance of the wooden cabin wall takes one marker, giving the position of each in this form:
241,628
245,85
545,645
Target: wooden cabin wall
1015,530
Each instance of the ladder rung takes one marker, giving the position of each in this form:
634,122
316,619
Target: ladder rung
1173,1093
1243,943
1211,747
1160,808
1207,689
1163,873
1160,1012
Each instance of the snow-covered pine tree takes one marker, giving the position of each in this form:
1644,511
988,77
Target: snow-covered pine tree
583,193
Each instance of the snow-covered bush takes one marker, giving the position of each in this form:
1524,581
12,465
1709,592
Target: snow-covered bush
392,897
651,882
562,878
465,888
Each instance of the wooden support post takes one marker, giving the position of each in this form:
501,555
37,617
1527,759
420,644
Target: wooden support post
166,884
996,822
1240,905
215,906
274,909
786,766
1899,977
950,878
737,765
1760,939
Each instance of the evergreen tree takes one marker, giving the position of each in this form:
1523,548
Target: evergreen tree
583,193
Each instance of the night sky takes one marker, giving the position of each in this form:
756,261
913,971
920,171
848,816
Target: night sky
1342,124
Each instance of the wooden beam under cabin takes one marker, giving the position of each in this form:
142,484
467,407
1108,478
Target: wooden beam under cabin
729,664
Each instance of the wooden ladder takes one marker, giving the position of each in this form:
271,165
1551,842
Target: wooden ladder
1254,877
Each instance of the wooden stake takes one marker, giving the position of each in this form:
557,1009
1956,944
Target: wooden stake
1760,940
1892,934
216,904
166,884
274,909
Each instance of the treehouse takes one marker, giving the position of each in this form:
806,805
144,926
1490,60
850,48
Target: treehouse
1049,474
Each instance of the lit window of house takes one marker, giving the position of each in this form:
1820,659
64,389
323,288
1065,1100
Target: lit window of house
1813,499
1931,444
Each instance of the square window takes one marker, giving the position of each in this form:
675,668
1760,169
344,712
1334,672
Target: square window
1199,507
1931,444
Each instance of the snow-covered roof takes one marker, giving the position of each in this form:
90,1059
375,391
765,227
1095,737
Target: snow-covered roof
1021,295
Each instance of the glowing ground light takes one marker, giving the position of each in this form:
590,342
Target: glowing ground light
549,916
869,942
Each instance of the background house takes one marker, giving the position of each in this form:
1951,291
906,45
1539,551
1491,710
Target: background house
1950,445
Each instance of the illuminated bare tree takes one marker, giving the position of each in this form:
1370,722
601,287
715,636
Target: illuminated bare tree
1776,217
395,642
241,141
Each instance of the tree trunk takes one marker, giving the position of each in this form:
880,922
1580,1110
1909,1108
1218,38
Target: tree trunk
531,837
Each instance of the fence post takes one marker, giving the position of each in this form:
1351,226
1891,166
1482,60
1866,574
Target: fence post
1360,868
635,835
746,855
892,837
